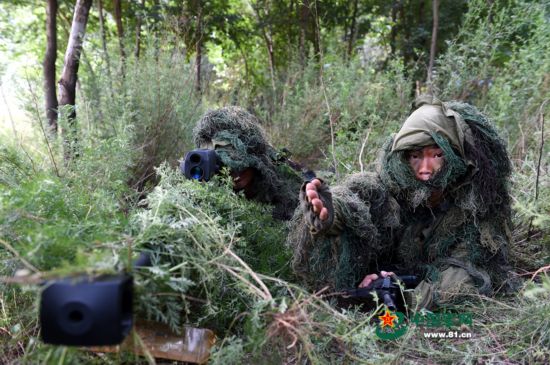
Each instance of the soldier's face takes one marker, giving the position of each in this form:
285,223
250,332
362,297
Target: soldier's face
242,180
426,162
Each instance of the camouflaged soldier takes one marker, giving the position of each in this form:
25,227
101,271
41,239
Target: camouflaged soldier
438,207
258,169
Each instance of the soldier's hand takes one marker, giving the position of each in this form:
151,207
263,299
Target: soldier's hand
372,277
317,206
313,197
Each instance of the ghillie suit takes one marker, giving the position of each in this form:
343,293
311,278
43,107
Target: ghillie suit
240,143
386,220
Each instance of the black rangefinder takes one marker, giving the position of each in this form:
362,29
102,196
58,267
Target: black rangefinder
200,164
87,311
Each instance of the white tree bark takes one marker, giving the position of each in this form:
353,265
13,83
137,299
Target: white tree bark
67,83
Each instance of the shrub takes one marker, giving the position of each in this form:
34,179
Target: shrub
154,99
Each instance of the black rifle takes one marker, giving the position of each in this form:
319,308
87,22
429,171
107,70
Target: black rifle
88,311
200,164
387,289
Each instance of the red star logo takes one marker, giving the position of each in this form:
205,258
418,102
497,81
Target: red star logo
387,319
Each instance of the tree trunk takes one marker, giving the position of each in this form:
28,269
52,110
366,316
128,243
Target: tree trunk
304,14
119,28
67,83
49,65
271,56
393,33
102,30
246,67
408,52
420,19
138,28
104,44
268,38
433,47
157,31
198,50
352,29
316,35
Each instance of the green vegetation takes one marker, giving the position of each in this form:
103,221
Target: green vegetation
219,259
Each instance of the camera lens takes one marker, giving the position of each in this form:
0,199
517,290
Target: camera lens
76,316
196,173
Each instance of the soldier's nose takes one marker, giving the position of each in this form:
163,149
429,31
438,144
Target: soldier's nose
425,170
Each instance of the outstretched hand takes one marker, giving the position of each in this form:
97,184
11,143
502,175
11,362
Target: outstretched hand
372,277
313,197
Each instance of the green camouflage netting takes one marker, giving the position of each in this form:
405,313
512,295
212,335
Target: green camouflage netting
337,257
400,180
383,221
240,143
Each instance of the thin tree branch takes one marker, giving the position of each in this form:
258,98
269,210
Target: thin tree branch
41,124
363,147
251,272
541,111
330,116
433,48
27,264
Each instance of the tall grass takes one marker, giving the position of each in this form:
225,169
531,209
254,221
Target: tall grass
363,105
59,218
154,99
219,258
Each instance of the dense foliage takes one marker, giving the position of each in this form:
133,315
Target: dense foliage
336,81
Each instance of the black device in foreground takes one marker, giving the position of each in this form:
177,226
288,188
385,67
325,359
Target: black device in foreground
200,164
88,311
387,290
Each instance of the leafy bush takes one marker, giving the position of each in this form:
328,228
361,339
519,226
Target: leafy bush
219,259
154,98
52,225
195,232
500,62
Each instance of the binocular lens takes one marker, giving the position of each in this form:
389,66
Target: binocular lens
200,164
195,158
196,173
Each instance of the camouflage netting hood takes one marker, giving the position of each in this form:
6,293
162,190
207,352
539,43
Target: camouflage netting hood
430,117
386,217
476,170
474,181
240,143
